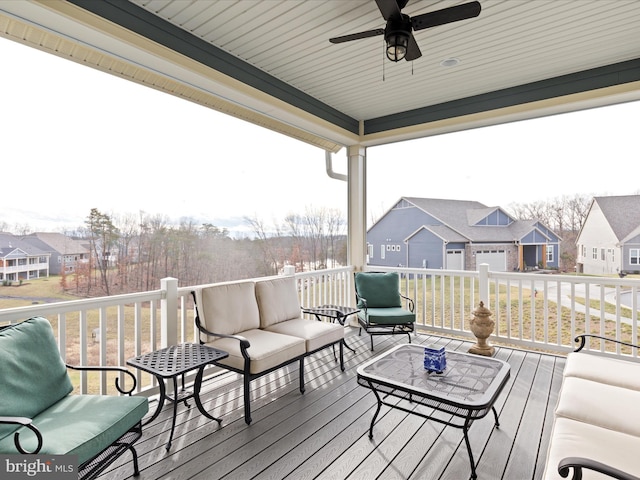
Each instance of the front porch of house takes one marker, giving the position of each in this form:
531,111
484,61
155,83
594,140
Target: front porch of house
323,433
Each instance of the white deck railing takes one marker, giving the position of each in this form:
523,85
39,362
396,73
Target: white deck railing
531,310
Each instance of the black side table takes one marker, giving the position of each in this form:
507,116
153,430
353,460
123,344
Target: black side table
168,363
334,312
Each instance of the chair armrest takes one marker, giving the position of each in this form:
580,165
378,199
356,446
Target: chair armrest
25,422
363,301
579,463
582,340
411,304
88,368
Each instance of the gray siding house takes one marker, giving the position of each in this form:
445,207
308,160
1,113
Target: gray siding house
65,252
20,260
609,240
459,235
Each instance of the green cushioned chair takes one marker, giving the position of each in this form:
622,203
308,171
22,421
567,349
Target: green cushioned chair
38,413
380,302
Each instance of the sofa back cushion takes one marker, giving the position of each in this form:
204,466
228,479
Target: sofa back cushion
277,300
228,308
380,290
32,374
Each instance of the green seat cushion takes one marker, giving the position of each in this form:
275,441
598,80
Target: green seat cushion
378,289
82,425
32,375
387,316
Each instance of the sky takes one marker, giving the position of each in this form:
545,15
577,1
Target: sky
73,138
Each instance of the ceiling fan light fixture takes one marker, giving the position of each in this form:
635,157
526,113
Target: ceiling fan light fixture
397,44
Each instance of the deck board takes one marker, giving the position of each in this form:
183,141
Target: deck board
323,433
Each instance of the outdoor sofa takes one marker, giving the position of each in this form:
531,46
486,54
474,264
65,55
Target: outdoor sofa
260,325
596,428
39,415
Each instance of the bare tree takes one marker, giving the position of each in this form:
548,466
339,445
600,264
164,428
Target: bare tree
103,238
267,244
335,230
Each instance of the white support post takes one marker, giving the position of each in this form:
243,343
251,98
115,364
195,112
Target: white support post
357,206
169,312
483,284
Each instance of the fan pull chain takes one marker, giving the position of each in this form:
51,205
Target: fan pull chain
383,61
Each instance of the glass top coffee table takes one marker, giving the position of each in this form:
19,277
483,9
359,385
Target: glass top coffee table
463,393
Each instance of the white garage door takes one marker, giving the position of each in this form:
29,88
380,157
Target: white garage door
497,259
455,260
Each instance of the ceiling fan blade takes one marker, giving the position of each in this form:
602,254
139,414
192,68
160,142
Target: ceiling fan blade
357,36
413,50
446,15
389,8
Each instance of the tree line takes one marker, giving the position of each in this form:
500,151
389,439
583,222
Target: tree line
132,253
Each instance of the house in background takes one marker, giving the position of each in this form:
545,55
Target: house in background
459,235
20,260
66,253
609,240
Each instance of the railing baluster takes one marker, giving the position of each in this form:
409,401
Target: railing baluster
103,349
84,335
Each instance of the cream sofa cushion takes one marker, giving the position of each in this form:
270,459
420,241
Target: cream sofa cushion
605,406
315,334
571,438
611,371
228,308
267,350
277,300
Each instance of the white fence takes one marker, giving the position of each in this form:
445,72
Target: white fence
531,310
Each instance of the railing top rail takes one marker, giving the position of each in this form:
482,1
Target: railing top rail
27,311
311,273
422,271
553,277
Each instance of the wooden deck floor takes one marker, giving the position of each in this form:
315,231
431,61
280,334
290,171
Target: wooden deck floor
323,434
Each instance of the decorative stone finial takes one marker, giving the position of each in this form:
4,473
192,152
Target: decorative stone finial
482,327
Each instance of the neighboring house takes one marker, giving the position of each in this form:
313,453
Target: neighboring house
20,260
459,235
65,252
609,240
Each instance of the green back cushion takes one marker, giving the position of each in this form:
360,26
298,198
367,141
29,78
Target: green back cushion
32,374
379,289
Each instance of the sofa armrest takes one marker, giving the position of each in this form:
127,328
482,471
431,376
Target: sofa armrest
25,422
244,343
109,369
581,340
579,463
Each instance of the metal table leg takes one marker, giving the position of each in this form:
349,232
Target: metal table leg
196,396
163,395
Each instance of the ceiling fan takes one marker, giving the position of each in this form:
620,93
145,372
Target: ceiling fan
398,32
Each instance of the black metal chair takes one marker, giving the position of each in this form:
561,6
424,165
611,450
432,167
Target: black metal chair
39,415
380,302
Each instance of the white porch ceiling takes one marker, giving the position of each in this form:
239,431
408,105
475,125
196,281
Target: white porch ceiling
271,63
